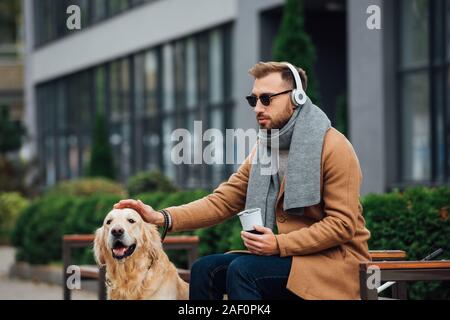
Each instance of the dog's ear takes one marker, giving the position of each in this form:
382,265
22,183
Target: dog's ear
151,240
99,247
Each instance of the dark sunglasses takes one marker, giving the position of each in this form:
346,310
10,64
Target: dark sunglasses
264,98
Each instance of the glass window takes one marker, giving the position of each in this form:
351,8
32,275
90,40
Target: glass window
440,125
448,124
416,128
50,167
73,126
98,9
167,129
414,32
219,159
62,124
180,82
116,6
448,29
423,95
151,122
9,26
191,73
168,78
151,82
100,89
216,67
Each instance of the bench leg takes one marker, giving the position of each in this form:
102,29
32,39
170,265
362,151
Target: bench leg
399,290
102,283
67,294
365,292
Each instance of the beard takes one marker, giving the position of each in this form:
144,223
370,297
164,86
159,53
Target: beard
276,122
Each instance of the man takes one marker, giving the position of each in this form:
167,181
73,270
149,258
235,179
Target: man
312,199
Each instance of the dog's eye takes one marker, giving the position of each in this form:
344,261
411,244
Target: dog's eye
109,221
131,221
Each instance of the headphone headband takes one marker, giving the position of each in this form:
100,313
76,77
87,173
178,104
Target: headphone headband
298,81
298,96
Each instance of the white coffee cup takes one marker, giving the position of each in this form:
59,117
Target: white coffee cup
249,218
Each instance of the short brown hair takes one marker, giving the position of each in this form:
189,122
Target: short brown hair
262,69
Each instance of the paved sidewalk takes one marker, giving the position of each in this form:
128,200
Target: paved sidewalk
15,289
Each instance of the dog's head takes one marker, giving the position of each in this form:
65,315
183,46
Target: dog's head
123,235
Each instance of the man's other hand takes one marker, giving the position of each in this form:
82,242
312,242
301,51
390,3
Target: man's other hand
264,244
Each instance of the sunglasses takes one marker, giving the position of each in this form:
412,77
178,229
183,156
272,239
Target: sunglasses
264,98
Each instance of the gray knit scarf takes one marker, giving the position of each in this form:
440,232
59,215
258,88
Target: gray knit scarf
303,135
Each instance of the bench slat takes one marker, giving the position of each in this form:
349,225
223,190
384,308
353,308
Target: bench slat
390,265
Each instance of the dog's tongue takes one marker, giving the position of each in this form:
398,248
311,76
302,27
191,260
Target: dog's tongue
119,251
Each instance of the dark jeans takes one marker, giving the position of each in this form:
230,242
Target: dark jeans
241,276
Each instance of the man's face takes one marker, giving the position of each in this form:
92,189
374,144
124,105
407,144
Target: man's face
280,109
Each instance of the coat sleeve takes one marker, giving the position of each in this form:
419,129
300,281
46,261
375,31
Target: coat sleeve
341,186
226,200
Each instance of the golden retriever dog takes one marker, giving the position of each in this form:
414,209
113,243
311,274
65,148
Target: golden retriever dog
136,265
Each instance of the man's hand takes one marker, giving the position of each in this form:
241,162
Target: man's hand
147,213
264,244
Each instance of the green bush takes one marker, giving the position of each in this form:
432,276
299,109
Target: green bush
415,221
182,197
40,227
293,44
11,204
39,230
153,199
221,238
87,187
101,163
149,182
85,217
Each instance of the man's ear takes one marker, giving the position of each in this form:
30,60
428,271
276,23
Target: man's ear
99,247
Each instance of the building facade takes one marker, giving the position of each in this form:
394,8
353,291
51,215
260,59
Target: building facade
154,66
11,62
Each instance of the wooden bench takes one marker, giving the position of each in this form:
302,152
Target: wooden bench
401,272
387,255
188,243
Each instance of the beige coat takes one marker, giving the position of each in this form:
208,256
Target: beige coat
327,242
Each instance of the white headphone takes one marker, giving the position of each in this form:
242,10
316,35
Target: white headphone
298,95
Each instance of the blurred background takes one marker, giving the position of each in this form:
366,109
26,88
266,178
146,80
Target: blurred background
102,101
153,66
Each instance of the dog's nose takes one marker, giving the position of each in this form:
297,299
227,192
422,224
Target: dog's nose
117,232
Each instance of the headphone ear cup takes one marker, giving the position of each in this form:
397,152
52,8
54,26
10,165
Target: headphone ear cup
293,99
299,96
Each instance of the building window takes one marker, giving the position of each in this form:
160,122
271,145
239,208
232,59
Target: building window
424,102
50,15
145,96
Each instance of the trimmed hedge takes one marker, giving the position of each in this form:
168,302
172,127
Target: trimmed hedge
40,227
149,182
39,230
84,187
416,221
11,204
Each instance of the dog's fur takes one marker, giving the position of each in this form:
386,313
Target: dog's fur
145,274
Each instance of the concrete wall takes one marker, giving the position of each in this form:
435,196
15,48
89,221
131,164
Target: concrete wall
129,32
246,53
29,150
367,94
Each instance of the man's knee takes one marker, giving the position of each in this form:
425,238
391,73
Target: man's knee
240,267
206,265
